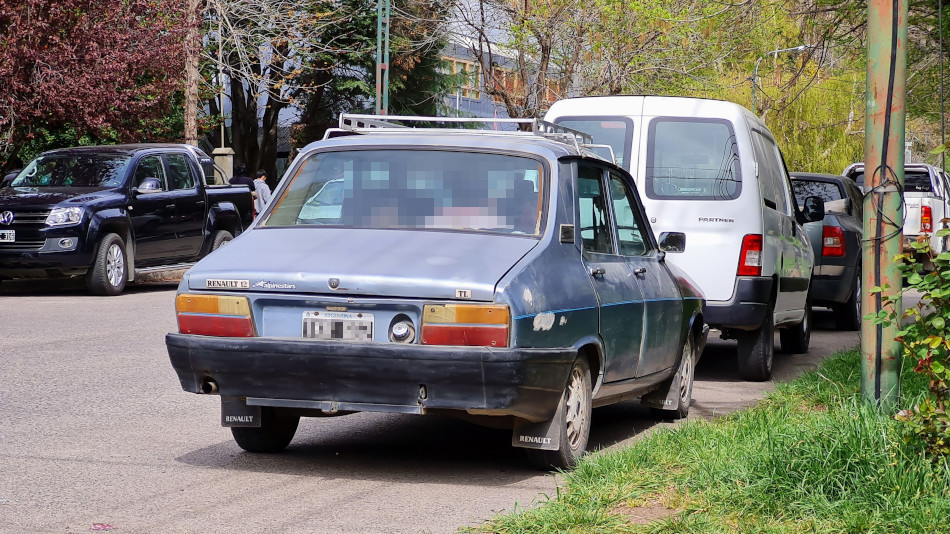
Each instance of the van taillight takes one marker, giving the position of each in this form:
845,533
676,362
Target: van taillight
832,241
211,315
750,257
482,325
926,219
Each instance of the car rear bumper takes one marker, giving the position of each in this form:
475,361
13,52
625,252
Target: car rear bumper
746,309
384,377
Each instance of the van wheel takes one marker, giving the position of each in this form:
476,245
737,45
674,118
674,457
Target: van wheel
108,273
795,339
755,350
221,238
848,315
686,374
275,433
575,422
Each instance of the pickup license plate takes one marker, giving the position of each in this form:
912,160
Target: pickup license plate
327,325
7,236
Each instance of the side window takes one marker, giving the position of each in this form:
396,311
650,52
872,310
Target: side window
150,167
771,174
857,201
632,240
596,232
783,185
179,172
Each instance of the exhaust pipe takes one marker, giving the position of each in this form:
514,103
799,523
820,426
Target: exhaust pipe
209,386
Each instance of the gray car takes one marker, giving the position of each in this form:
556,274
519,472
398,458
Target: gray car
836,278
508,277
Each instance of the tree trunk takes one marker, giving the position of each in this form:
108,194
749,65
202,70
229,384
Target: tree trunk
192,50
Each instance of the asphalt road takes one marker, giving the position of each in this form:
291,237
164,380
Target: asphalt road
95,432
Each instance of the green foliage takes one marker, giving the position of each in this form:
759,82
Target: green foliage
926,341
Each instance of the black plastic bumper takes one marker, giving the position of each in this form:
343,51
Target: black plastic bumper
380,376
747,308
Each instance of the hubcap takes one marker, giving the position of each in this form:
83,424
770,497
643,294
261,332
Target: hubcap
857,300
686,375
576,407
115,266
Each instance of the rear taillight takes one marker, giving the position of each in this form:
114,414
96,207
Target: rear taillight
482,325
926,219
750,257
212,315
832,241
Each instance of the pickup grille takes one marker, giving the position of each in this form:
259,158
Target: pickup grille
33,217
23,246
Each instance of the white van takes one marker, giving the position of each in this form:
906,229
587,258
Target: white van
712,170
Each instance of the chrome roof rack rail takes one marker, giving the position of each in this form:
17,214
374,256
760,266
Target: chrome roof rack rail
359,122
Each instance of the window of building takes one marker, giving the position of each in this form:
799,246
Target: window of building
468,73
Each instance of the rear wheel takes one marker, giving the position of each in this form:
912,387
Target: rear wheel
795,340
755,350
848,315
575,422
221,238
108,273
275,433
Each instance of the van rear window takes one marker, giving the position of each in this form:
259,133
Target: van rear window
613,131
692,159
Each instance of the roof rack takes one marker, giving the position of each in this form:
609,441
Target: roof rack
356,123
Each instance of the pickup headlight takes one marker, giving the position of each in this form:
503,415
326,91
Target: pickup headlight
64,216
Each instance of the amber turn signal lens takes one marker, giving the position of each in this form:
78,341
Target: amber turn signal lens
213,315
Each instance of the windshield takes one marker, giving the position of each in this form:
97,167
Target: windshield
418,189
73,170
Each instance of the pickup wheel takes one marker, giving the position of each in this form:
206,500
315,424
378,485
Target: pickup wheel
795,340
848,315
575,422
755,350
275,433
108,273
221,238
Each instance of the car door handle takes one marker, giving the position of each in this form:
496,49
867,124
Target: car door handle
200,203
640,270
169,206
596,271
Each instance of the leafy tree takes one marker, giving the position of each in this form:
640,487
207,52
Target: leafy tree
103,70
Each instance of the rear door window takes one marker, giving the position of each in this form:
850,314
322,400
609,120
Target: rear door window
179,172
692,159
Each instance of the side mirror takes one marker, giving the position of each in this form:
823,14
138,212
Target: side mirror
149,185
673,242
813,209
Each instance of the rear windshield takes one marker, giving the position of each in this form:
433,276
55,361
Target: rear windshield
918,181
73,170
415,189
692,159
612,131
827,191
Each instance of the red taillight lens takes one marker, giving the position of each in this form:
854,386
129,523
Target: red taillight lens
750,256
479,325
926,219
212,315
832,241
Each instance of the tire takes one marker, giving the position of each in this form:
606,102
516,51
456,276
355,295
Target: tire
795,340
275,433
221,238
686,374
848,315
755,350
575,422
109,268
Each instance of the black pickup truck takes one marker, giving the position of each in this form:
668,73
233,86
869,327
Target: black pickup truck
110,213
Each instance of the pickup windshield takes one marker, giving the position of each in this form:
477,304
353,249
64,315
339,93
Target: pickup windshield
414,189
72,170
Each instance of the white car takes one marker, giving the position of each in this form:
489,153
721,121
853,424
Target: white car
713,171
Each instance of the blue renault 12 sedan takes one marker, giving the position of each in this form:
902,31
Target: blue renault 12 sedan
506,275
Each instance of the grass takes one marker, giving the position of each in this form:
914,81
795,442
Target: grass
812,457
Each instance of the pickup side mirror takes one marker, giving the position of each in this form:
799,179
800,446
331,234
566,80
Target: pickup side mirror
673,242
813,209
149,185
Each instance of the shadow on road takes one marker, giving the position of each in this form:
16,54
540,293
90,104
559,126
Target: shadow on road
61,287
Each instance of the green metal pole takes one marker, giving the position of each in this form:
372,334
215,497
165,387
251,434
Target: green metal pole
382,57
883,178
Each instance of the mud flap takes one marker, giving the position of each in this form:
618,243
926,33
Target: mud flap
545,435
236,412
664,398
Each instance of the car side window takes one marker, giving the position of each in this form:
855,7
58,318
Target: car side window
771,173
150,167
596,231
179,172
631,237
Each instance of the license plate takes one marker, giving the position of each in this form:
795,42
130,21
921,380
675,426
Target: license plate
338,325
7,236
